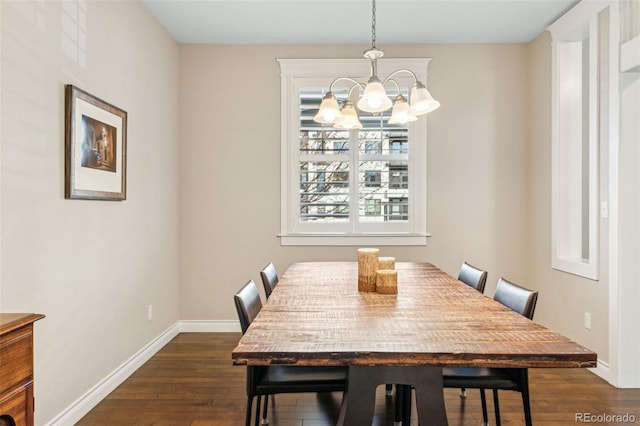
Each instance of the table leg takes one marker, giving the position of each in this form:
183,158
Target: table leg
399,405
406,406
359,399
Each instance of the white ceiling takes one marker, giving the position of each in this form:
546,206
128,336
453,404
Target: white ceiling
349,21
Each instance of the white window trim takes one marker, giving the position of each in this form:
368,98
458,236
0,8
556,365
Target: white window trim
292,69
602,119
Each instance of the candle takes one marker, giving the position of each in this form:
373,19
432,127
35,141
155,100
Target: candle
387,263
367,267
387,281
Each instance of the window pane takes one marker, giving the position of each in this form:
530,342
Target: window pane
324,191
385,141
383,171
383,191
324,141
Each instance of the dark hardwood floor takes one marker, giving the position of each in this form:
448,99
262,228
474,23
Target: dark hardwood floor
191,381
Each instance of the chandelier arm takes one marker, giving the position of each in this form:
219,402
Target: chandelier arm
360,86
389,79
415,77
348,79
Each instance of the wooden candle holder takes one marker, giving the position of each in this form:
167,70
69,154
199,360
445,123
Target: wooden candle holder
387,281
367,267
386,263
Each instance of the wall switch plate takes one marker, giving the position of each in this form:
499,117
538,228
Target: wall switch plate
150,312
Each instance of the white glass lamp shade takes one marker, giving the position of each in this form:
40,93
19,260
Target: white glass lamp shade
374,98
329,110
348,118
401,113
420,100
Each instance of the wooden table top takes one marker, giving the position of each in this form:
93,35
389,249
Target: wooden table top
316,316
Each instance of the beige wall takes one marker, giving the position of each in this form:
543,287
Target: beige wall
230,166
91,267
564,298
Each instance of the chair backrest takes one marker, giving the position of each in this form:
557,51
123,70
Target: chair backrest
269,278
248,304
472,276
518,298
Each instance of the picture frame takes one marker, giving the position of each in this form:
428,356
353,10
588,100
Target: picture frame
95,148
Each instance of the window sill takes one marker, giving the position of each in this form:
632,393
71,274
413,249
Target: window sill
354,240
579,267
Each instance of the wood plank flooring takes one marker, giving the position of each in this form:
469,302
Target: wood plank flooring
191,381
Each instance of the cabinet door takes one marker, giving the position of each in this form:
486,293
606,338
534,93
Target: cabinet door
19,407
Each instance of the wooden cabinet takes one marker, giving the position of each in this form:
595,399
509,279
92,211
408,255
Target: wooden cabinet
16,368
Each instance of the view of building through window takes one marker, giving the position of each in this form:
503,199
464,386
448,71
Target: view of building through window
364,170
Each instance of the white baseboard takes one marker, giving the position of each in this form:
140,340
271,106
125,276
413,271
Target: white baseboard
93,396
210,326
601,370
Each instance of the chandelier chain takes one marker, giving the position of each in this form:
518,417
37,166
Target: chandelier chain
373,24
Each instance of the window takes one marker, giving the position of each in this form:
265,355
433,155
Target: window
372,207
583,106
398,175
372,147
349,187
398,209
372,179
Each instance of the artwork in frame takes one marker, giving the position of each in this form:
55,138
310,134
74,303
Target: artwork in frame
95,147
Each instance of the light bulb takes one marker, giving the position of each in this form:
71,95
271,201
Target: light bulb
400,113
328,111
329,116
374,102
348,118
374,98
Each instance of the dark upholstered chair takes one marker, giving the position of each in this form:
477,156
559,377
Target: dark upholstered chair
273,379
269,278
248,304
519,299
522,301
473,277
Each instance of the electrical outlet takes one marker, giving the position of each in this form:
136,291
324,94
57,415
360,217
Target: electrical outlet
587,320
150,312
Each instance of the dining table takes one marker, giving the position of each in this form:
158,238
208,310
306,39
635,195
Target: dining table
316,316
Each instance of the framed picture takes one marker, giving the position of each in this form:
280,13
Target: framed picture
95,148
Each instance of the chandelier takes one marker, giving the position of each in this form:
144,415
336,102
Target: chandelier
374,97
